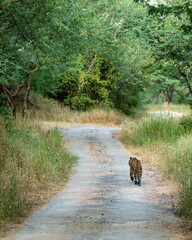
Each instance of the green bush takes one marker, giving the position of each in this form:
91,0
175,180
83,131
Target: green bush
85,102
186,122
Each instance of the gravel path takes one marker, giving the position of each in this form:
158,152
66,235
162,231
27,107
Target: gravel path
100,201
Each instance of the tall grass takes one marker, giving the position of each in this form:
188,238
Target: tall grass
152,130
51,110
174,139
31,161
179,164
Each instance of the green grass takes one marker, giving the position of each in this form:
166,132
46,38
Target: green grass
179,164
173,139
152,129
31,161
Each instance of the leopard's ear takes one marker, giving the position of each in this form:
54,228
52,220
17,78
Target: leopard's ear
131,158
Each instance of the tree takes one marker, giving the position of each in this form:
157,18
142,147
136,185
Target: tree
22,44
116,33
172,48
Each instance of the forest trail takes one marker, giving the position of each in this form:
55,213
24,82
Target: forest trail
100,201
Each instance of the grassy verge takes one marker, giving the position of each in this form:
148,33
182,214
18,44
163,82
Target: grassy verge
167,144
32,163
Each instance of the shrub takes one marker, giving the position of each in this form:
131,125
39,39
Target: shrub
85,102
186,122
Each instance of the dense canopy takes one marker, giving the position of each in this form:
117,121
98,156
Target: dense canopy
117,53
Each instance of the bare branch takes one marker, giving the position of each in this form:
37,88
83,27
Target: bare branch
6,91
27,94
83,76
7,95
22,85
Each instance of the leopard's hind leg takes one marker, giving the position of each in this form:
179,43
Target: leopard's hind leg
135,176
131,174
139,176
139,181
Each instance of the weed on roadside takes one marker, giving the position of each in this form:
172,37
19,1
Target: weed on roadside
30,161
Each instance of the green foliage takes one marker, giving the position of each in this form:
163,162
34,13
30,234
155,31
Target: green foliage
132,48
113,30
186,122
179,10
86,102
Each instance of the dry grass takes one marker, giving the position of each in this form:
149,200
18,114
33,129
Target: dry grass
166,108
33,164
52,111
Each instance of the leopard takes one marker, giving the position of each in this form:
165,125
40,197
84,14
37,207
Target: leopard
136,170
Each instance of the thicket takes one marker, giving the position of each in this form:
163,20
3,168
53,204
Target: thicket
31,162
174,138
93,54
83,54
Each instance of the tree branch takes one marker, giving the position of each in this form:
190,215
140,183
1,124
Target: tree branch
6,91
186,80
27,94
83,76
21,86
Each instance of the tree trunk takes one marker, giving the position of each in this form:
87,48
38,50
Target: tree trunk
70,92
168,93
12,98
27,94
70,96
187,82
14,108
79,98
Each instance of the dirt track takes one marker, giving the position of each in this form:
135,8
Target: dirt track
100,201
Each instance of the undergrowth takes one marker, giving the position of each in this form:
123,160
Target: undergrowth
46,109
31,161
172,139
